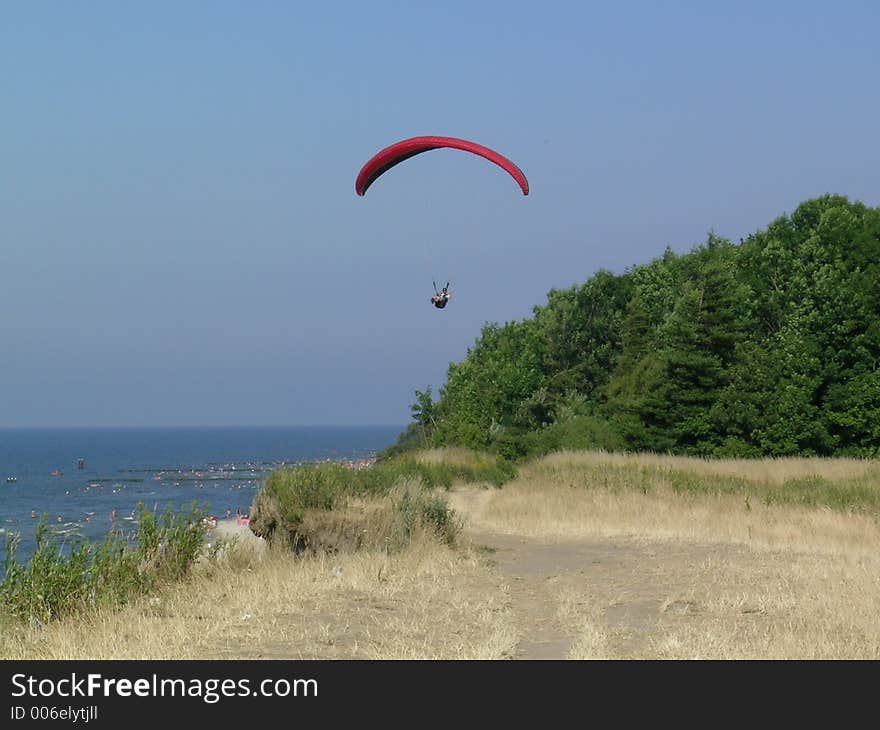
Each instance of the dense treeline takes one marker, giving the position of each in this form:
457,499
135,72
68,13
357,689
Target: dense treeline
766,347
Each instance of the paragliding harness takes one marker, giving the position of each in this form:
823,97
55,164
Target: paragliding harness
440,298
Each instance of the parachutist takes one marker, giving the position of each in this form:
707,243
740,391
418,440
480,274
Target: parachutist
441,298
401,151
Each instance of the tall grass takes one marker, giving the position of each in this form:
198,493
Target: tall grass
442,467
409,483
414,508
319,486
66,579
845,485
425,602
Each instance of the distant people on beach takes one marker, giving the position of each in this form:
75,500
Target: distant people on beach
112,515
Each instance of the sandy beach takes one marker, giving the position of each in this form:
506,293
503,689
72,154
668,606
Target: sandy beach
229,529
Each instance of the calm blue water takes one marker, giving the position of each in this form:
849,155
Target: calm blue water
220,468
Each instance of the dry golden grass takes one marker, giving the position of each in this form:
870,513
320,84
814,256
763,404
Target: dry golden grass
427,602
564,502
778,606
739,605
584,621
549,510
773,471
695,575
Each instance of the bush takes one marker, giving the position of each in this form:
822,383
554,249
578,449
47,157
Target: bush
575,433
308,487
416,508
63,579
290,494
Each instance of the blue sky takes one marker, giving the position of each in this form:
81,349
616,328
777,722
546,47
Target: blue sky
181,243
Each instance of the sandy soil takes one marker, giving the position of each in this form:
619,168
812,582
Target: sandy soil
232,530
627,587
628,582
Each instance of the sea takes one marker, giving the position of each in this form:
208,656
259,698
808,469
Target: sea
86,482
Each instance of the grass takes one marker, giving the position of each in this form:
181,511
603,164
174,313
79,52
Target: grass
427,602
323,486
287,504
769,470
69,579
695,558
847,485
648,557
814,504
405,592
330,503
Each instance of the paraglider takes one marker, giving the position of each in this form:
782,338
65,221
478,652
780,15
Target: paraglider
401,151
393,155
441,298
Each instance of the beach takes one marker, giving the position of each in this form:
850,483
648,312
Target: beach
234,529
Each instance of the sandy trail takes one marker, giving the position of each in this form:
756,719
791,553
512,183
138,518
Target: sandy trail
630,589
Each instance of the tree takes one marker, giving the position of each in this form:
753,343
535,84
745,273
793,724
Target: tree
423,410
768,347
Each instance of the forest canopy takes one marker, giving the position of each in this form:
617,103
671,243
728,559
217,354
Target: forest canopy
768,347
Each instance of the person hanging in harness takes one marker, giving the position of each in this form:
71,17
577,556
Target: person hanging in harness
441,298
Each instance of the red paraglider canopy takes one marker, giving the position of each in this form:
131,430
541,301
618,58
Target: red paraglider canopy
383,161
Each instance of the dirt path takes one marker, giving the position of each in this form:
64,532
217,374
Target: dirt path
630,590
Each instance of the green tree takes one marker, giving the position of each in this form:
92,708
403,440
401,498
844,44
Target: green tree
423,410
768,347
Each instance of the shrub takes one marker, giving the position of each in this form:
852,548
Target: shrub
62,579
416,508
